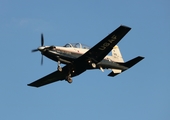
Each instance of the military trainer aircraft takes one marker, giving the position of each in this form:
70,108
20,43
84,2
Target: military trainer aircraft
79,58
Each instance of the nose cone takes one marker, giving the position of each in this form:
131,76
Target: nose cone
41,48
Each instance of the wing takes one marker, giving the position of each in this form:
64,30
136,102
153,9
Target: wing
101,49
73,69
53,77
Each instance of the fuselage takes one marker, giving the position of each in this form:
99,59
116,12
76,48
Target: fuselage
68,54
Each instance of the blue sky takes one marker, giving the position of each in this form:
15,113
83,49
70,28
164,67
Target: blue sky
141,93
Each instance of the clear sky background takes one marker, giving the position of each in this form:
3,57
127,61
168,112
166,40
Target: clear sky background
141,93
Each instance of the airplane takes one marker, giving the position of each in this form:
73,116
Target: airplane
78,58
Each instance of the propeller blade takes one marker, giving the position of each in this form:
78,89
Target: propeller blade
42,60
40,48
34,50
42,40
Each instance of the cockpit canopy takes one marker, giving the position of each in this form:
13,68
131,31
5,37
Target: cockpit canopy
77,45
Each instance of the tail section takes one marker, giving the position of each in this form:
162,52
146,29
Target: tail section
116,57
127,64
116,54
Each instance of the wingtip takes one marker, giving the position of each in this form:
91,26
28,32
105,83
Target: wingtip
31,85
125,26
141,57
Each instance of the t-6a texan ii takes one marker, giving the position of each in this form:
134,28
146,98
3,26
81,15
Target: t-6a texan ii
78,58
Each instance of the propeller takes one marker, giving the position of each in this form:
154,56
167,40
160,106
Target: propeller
40,48
34,50
42,44
42,40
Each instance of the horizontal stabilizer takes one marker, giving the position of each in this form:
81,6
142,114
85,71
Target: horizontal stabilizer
132,62
112,74
127,64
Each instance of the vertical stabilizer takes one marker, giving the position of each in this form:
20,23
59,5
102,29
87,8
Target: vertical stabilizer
116,54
